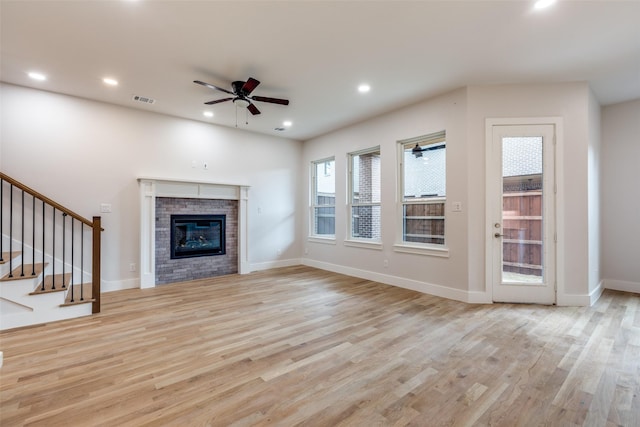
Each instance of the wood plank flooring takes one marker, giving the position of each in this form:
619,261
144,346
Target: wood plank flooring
300,346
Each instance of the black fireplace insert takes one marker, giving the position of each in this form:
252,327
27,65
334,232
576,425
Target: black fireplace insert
197,235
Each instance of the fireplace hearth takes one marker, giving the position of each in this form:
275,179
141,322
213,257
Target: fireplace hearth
197,235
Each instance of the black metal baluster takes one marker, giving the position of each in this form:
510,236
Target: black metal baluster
22,239
33,238
72,246
81,261
53,250
44,275
11,231
64,247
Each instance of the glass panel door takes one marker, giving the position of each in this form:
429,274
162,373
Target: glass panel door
520,193
522,214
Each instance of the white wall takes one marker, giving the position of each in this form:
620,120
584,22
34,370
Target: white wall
83,153
569,102
621,196
436,275
463,115
594,194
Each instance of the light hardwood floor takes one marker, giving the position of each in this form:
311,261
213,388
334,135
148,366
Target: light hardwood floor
300,346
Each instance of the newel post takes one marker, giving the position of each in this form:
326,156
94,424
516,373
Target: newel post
95,274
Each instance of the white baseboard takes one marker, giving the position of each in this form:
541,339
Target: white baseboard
580,300
118,285
415,285
621,285
259,266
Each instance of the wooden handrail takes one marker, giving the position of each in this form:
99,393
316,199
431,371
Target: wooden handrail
95,225
45,199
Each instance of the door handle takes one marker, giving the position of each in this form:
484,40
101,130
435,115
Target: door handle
498,235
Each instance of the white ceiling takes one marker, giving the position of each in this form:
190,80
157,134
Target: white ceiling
314,53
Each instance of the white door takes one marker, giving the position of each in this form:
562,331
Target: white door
521,195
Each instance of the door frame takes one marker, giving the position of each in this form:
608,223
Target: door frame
490,198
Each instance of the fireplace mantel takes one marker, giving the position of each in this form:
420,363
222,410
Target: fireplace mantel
150,188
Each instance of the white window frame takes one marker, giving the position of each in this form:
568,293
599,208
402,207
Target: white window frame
431,249
313,236
373,243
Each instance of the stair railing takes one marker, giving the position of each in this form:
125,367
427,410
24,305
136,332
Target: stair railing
76,250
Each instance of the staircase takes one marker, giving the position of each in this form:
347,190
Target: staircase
49,259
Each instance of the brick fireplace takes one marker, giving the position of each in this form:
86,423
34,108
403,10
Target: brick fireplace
197,266
160,199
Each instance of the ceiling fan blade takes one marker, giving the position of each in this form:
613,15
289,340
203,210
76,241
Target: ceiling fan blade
253,109
271,100
249,86
216,101
210,86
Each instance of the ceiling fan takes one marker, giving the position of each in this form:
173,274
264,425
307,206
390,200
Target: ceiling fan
242,95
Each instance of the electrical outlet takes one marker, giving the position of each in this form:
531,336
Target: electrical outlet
132,266
385,263
456,207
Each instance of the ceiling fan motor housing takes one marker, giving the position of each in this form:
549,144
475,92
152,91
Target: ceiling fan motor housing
237,87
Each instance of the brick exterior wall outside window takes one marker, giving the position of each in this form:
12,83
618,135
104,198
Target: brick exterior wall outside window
365,204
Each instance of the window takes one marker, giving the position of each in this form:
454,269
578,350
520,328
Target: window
423,189
364,194
323,200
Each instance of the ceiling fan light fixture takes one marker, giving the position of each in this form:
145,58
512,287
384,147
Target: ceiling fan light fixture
242,103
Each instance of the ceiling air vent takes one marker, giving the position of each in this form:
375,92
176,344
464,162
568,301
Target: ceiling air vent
144,99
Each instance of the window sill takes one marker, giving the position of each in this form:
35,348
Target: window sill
442,252
323,240
364,244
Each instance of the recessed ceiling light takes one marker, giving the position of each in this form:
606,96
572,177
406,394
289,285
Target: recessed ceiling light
208,114
110,82
287,123
37,76
541,4
364,88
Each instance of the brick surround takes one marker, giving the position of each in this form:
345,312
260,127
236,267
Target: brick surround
176,270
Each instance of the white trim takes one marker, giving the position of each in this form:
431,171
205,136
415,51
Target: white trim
118,285
558,123
363,244
350,203
150,188
260,266
437,251
409,247
595,294
313,179
323,240
580,300
622,285
415,285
